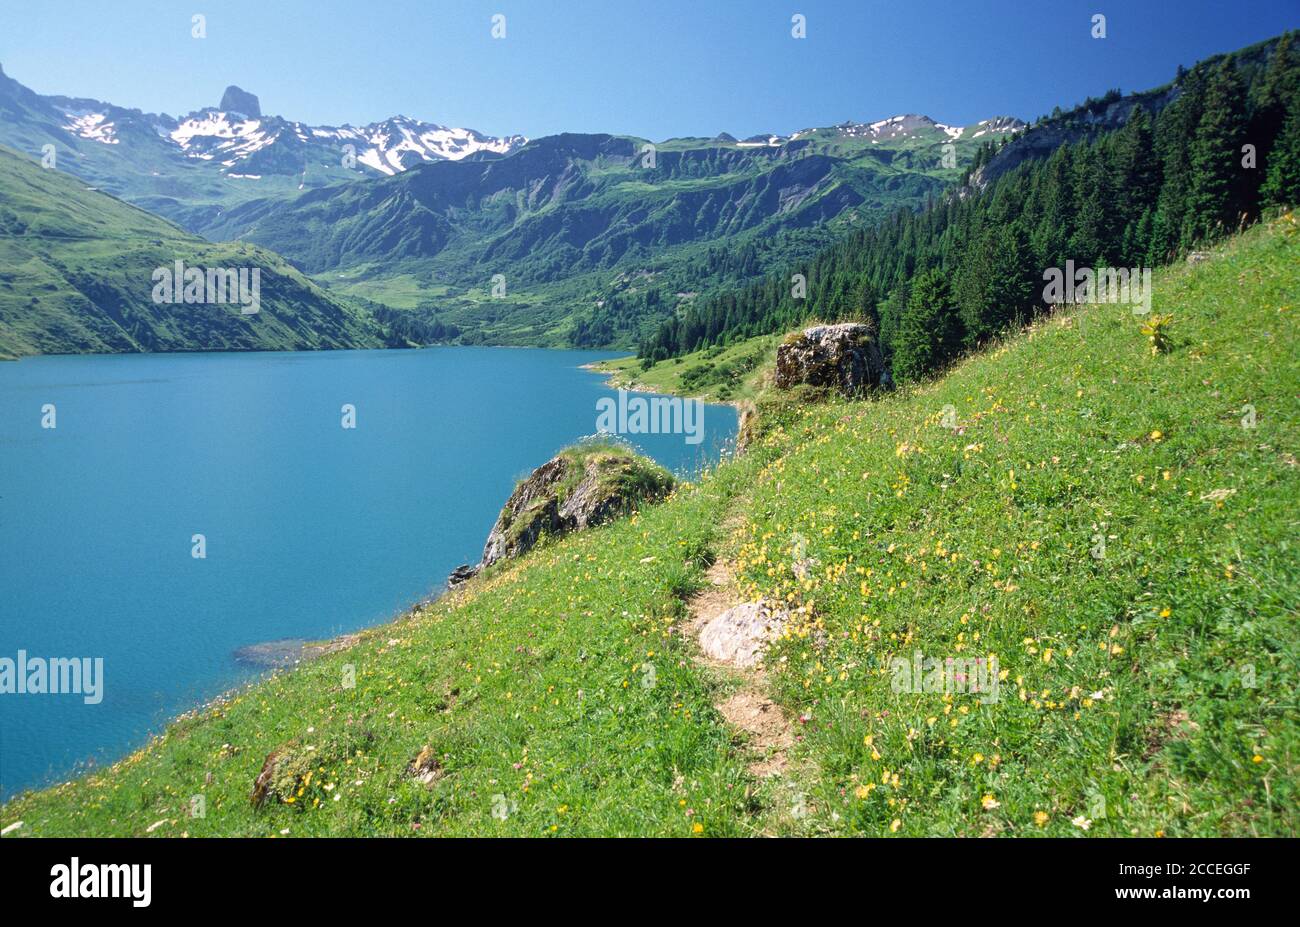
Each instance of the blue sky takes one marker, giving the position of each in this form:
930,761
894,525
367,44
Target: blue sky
653,68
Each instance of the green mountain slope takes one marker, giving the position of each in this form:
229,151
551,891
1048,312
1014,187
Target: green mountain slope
1112,525
76,270
596,237
1120,181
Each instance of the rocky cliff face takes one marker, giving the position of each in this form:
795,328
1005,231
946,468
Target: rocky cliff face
580,488
235,100
843,357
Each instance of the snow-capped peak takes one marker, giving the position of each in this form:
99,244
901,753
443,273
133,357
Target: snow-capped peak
389,146
211,132
238,130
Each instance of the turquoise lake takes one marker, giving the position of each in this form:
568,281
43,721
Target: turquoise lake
311,529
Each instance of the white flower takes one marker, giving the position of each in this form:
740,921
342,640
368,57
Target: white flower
1081,822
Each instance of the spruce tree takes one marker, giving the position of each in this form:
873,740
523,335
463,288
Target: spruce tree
1094,205
1174,129
929,333
1282,182
864,303
1052,235
891,314
1216,178
993,285
1136,181
1270,99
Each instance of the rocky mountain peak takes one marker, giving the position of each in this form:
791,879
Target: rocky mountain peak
235,100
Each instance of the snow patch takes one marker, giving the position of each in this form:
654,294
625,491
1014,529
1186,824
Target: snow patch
92,126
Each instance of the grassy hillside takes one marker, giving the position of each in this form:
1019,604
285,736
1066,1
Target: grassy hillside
1096,516
723,374
76,271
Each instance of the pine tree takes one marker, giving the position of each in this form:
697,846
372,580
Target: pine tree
1136,180
1052,235
1174,129
1094,207
992,285
1270,99
1282,184
1214,195
929,333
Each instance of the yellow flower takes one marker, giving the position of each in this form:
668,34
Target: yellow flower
697,828
1040,818
989,802
1257,758
895,825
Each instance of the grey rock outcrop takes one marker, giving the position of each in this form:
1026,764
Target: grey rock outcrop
575,490
462,574
844,357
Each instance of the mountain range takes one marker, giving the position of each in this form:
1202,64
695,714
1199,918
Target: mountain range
194,165
449,234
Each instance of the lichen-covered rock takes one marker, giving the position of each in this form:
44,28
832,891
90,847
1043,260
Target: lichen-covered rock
844,357
580,488
741,634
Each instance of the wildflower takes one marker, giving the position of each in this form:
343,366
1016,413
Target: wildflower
894,825
989,802
1040,818
1081,822
697,828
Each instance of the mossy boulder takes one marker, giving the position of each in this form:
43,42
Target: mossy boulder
843,357
583,486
